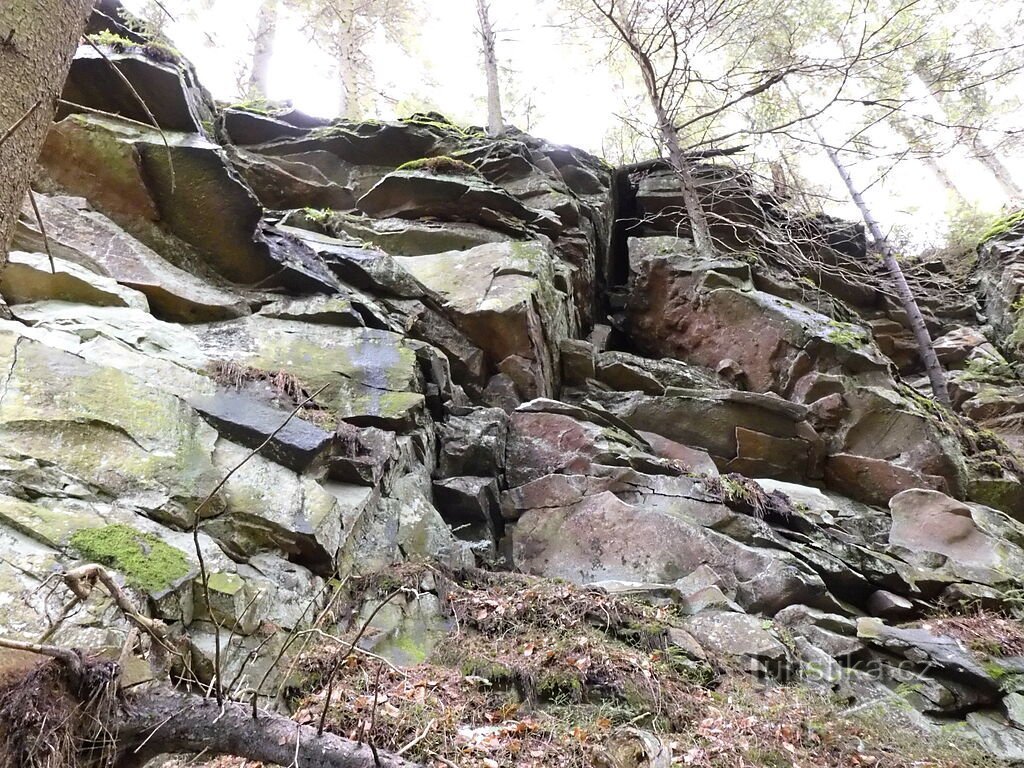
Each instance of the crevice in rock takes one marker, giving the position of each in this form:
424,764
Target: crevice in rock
627,222
10,371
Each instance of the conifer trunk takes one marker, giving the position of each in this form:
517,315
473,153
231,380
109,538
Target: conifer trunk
263,49
37,41
495,119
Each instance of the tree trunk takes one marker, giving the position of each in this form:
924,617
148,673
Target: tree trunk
925,347
495,120
161,721
918,145
980,151
263,49
987,157
37,40
348,62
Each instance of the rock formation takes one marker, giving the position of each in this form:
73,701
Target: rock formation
499,352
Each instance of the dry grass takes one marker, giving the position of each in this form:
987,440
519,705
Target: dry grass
983,631
541,673
282,384
49,721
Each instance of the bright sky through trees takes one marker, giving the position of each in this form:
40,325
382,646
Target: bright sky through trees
556,84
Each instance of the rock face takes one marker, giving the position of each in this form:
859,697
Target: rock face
269,344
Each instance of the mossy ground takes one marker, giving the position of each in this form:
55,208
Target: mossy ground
146,561
541,673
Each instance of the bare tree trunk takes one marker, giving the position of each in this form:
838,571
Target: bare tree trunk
162,721
348,61
263,49
37,40
980,151
918,145
925,347
699,228
495,120
987,157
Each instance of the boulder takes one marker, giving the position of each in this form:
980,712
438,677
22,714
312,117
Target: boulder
657,539
291,442
28,277
705,311
978,543
473,442
245,126
114,432
270,509
281,184
405,237
173,294
507,298
367,377
743,636
166,84
416,194
1001,284
182,200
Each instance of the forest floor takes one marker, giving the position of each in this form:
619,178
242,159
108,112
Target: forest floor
540,673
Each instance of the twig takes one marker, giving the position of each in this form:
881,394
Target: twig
17,123
338,662
418,739
440,759
81,581
373,715
145,107
218,687
70,659
42,230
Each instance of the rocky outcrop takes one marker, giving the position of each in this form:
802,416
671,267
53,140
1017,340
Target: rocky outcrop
269,346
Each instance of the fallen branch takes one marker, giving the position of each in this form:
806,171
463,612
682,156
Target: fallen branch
42,230
68,658
167,722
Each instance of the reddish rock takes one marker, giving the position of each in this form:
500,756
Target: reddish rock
874,481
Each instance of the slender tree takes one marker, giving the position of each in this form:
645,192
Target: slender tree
495,120
925,347
37,40
263,48
345,29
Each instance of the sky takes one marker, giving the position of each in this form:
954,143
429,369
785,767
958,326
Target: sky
556,86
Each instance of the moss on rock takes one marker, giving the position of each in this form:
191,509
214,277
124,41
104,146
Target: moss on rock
146,561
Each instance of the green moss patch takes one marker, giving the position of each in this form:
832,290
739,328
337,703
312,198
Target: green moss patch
151,49
146,561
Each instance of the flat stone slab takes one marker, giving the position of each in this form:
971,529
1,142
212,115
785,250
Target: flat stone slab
248,422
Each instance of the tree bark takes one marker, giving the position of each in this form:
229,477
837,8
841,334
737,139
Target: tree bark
925,347
263,49
350,107
495,120
161,721
918,145
37,41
